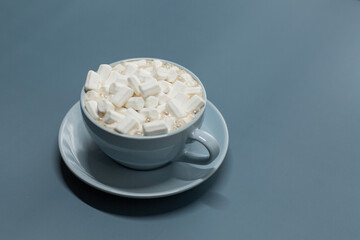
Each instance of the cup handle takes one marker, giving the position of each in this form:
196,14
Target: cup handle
208,141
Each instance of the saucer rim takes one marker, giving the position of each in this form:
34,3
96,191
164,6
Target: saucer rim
83,176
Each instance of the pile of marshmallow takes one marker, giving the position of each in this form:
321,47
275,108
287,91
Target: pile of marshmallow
142,97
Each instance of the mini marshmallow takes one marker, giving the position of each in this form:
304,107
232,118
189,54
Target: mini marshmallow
134,114
119,67
91,95
157,63
151,102
195,102
192,90
115,87
104,71
181,98
112,125
169,121
149,80
136,132
143,74
126,125
177,87
105,105
172,76
122,110
92,81
161,108
149,88
155,128
136,103
140,63
134,83
150,70
131,68
123,79
189,81
112,116
175,109
104,89
117,77
122,95
151,113
107,83
91,107
163,98
165,86
188,119
162,73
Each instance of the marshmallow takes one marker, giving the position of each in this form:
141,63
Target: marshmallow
143,74
115,87
120,98
189,80
169,121
188,119
117,77
162,73
177,87
112,116
151,102
134,114
157,63
175,109
149,88
92,81
91,107
134,83
181,98
105,88
91,95
151,113
192,90
126,125
111,125
149,80
161,108
122,110
104,71
136,103
172,75
195,102
104,106
155,128
131,68
165,86
123,79
150,70
119,67
163,98
140,63
107,83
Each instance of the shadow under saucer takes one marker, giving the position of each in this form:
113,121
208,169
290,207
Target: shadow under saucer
145,207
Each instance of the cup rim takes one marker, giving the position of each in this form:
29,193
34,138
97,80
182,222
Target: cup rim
82,105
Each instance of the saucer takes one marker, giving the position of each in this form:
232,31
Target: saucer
91,165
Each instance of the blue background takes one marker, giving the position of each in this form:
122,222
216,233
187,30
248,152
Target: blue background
285,74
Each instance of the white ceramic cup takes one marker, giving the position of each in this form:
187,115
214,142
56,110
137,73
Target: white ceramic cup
150,152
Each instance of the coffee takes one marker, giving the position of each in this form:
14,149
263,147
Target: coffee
142,97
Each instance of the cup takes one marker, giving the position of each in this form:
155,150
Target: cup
151,152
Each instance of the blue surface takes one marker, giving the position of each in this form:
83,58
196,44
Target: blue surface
285,75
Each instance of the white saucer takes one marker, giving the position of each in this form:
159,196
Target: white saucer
92,166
